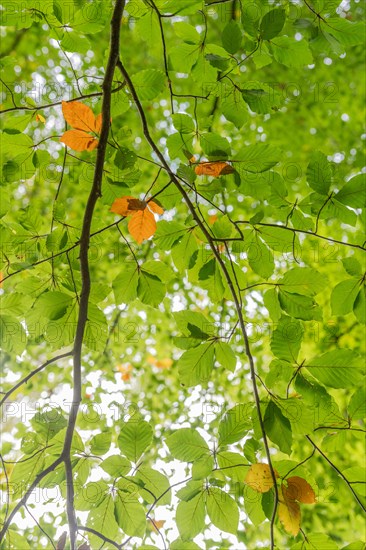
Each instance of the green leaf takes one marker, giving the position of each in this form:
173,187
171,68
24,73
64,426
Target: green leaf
234,425
116,465
353,193
251,447
187,445
278,427
359,307
168,233
303,280
183,251
316,540
344,295
231,37
214,146
222,510
183,123
290,52
190,517
130,515
148,83
250,16
341,368
100,443
286,339
195,365
271,302
260,258
257,158
225,355
153,483
125,158
357,404
279,238
299,306
135,437
202,467
272,23
150,290
187,32
13,337
179,544
233,465
260,97
352,266
53,305
319,173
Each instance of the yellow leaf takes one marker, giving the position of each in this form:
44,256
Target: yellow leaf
142,225
79,140
40,118
289,514
259,478
299,489
215,169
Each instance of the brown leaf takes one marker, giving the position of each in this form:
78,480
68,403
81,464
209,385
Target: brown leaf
259,478
299,489
142,225
289,514
79,140
61,541
84,546
215,169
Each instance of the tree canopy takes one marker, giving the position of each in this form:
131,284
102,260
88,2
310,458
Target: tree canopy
183,276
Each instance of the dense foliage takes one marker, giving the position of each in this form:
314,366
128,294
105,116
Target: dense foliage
183,276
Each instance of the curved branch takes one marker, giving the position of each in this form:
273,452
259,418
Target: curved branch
33,373
224,270
338,472
94,195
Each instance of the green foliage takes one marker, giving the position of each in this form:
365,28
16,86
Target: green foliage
234,335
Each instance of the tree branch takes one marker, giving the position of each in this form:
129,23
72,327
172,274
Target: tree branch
224,270
338,472
33,373
95,193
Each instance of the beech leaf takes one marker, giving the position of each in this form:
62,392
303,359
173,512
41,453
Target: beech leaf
213,169
259,478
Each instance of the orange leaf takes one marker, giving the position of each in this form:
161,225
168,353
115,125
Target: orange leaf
299,489
79,140
259,478
142,225
158,524
289,514
122,206
155,207
80,116
213,169
125,371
